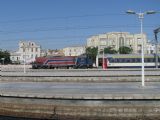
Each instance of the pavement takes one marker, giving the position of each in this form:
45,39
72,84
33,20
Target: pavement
63,90
81,73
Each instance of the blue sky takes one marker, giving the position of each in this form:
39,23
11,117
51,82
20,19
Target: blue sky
55,24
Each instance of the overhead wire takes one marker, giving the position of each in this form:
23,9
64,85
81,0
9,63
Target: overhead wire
75,28
64,28
65,17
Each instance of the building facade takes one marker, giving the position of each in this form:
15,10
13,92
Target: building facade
55,52
15,57
117,40
151,48
74,50
27,52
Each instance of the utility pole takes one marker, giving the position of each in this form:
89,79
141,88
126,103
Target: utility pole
156,31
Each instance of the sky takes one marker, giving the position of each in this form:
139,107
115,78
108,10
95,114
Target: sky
55,24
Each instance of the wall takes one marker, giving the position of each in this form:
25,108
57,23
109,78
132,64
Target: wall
78,109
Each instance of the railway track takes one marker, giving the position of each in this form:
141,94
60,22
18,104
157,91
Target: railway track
123,75
80,94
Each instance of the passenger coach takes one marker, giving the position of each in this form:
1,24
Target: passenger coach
128,60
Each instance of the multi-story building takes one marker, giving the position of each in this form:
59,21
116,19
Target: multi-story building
151,48
27,52
15,57
55,52
118,39
74,50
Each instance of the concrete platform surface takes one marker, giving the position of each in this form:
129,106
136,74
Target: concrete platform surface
75,73
81,90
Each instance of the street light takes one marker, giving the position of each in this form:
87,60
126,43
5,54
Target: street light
103,66
24,59
141,16
101,49
156,31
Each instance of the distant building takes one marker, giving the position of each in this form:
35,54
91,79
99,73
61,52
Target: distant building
15,57
43,53
118,39
151,48
55,52
27,52
74,50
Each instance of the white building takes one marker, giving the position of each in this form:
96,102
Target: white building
55,52
27,52
16,57
74,50
151,48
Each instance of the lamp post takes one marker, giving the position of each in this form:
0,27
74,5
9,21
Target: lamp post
156,31
141,16
103,58
24,65
24,58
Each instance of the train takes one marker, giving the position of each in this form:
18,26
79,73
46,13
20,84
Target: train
66,62
129,60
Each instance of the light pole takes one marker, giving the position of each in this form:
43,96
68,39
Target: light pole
101,49
141,16
24,58
103,61
24,65
156,31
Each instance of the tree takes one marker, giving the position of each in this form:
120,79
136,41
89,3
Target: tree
125,50
109,50
5,55
91,52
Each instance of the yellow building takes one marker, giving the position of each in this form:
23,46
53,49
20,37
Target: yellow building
74,50
118,39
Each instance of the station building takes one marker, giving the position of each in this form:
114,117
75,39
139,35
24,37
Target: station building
118,39
27,52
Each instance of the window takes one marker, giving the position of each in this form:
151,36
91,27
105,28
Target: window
121,41
139,40
128,60
111,60
121,60
133,60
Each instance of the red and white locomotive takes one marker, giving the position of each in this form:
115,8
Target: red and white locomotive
62,62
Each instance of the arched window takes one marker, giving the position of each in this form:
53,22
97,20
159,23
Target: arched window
121,41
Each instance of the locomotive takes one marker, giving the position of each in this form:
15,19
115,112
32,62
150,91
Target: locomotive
62,62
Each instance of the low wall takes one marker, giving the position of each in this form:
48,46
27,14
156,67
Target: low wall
60,109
